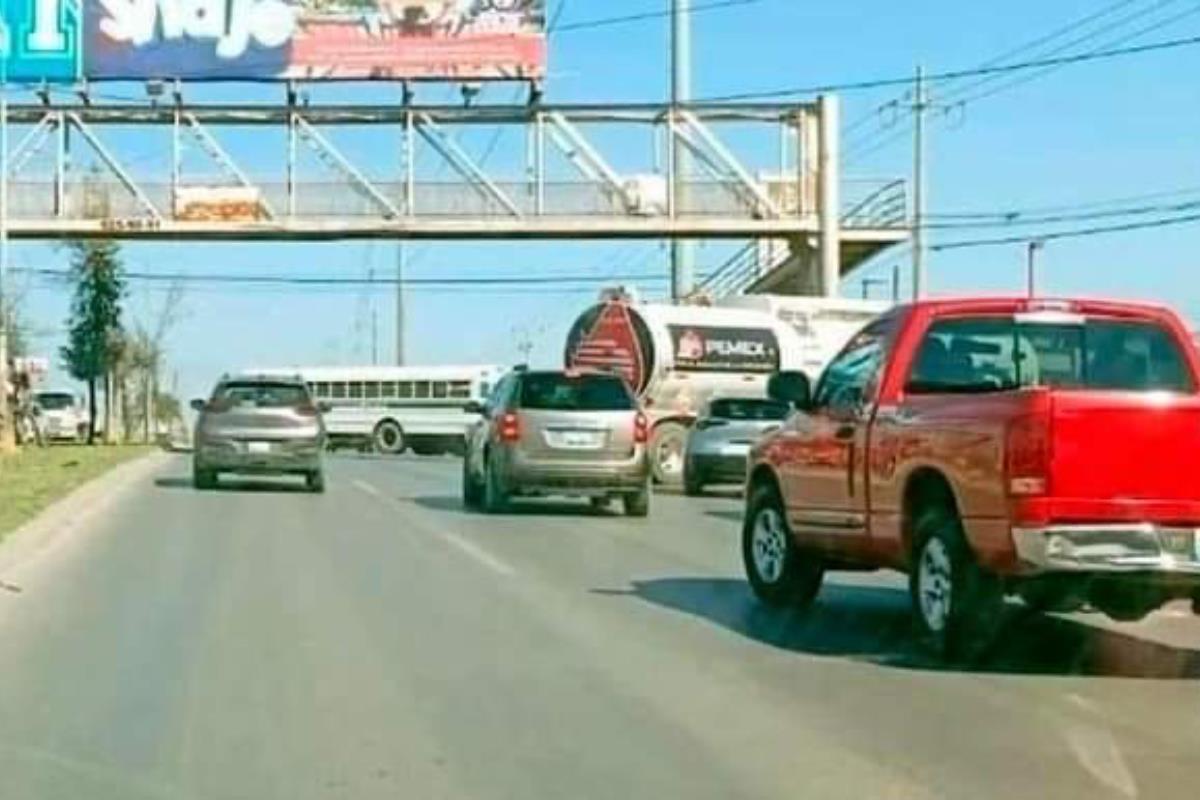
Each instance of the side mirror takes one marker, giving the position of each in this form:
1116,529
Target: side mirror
197,405
474,407
792,388
324,406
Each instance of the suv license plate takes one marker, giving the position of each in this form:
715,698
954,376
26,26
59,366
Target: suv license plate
577,440
258,448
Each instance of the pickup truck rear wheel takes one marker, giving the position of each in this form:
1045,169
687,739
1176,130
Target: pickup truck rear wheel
780,573
958,604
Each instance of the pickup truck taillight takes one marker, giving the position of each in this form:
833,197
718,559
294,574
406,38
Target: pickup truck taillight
1027,456
509,427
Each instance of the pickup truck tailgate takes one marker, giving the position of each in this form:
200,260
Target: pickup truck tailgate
1121,451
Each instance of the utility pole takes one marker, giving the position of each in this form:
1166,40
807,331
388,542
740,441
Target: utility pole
683,253
1031,267
401,258
920,106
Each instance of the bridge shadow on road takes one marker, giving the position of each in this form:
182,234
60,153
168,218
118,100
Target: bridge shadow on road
874,624
248,485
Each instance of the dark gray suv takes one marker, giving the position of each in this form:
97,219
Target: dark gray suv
558,433
259,425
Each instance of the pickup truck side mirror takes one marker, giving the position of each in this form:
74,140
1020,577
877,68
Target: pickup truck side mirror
197,405
474,407
792,388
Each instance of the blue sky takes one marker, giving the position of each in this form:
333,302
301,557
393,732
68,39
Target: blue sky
1089,132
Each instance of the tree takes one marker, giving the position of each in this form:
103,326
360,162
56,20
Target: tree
94,328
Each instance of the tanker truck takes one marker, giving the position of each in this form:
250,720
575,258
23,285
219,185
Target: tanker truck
677,357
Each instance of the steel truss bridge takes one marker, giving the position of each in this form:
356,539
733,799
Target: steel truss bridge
294,170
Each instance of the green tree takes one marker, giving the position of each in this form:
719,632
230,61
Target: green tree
95,322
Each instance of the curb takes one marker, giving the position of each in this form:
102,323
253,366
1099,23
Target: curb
54,524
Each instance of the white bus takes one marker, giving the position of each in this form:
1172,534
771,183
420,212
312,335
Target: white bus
393,409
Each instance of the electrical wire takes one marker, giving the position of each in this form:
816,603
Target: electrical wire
956,74
1075,233
604,22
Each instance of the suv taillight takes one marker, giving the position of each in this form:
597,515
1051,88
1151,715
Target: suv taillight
641,429
1027,456
509,427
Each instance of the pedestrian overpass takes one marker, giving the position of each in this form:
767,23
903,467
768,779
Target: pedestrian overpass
767,174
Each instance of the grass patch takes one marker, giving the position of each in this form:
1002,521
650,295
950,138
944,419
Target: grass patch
37,476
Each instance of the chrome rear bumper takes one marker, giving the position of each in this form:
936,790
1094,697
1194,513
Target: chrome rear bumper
1129,547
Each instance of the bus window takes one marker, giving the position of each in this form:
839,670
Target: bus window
387,389
356,390
441,390
422,390
371,390
404,390
338,391
321,390
460,390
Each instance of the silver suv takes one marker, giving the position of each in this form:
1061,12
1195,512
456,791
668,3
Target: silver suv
260,426
558,433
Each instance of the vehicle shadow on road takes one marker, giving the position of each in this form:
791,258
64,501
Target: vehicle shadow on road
874,624
519,508
247,485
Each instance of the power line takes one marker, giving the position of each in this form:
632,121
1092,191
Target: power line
1073,43
604,22
1023,79
949,75
1068,234
1016,219
1065,207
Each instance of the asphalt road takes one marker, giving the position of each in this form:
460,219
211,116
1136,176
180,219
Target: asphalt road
379,642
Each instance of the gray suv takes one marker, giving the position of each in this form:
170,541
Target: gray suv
260,426
558,433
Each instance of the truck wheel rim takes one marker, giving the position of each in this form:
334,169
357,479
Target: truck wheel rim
769,545
934,584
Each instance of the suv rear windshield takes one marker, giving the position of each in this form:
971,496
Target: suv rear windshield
55,401
980,354
741,409
559,392
261,395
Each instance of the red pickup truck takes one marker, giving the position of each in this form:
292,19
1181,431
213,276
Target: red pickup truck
989,447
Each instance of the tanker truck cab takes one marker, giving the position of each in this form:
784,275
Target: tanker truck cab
677,358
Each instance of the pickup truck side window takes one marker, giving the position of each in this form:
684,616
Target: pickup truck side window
848,380
989,354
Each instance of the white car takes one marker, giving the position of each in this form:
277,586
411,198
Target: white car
62,416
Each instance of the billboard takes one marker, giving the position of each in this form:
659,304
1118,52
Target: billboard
43,40
312,39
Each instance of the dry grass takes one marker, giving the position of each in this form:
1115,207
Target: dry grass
35,477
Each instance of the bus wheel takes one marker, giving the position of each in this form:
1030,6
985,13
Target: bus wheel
388,438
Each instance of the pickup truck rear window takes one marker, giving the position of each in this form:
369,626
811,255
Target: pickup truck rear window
985,354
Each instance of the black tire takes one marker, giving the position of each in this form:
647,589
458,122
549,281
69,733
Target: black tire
388,438
315,482
693,482
495,496
422,449
472,493
204,479
956,602
666,453
780,573
1125,603
637,504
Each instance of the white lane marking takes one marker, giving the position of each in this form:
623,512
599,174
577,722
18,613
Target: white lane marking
467,547
369,489
463,545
